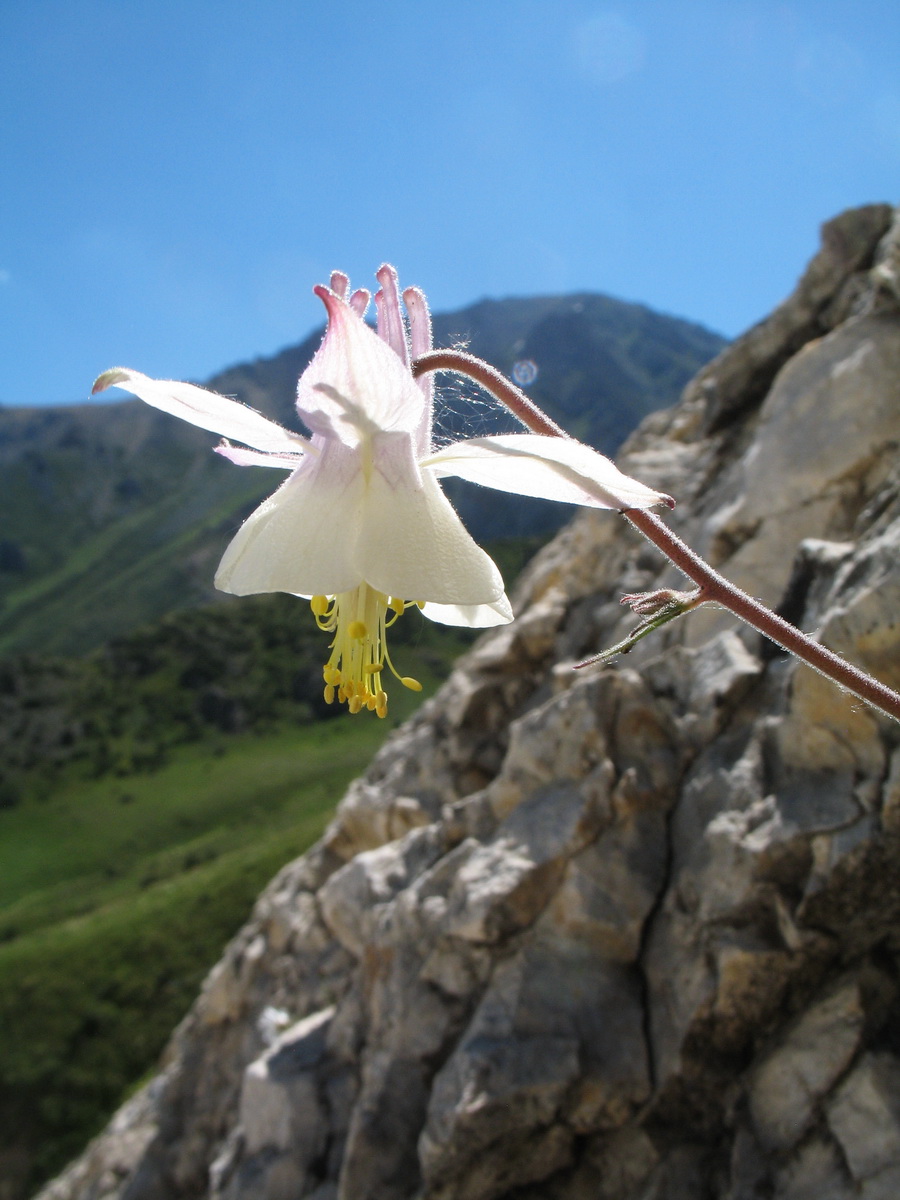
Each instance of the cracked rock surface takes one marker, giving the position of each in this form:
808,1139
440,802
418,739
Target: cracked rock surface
615,934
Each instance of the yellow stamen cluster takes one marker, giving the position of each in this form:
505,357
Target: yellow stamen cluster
359,621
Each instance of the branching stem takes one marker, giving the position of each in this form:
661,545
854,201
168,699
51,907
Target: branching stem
714,588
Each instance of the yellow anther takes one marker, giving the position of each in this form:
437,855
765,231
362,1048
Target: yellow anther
358,621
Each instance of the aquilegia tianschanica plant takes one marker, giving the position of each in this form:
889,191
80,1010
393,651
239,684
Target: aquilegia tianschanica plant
360,526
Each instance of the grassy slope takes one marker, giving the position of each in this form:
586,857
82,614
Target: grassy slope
116,896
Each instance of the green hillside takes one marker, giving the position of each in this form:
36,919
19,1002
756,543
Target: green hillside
113,515
195,676
116,897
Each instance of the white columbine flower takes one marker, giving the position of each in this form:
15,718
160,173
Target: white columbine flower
361,526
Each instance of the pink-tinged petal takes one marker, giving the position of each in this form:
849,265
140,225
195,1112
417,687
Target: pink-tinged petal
354,362
420,343
419,321
551,468
359,301
301,539
339,284
472,616
390,318
393,455
242,457
411,543
206,409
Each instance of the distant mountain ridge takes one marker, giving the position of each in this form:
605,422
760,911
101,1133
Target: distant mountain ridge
116,514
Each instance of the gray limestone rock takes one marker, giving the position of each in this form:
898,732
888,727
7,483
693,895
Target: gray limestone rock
864,1116
621,933
790,1081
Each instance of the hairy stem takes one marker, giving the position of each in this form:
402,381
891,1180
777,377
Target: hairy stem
714,588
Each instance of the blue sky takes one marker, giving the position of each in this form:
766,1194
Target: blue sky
176,176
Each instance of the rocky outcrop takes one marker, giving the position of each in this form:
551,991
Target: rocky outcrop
612,934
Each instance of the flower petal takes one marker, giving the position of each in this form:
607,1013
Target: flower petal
359,301
242,457
551,468
411,542
420,340
390,319
206,409
301,539
473,616
339,284
355,362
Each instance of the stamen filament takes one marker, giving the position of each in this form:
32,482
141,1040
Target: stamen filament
359,620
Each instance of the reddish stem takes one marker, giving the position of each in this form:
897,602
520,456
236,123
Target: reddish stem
713,586
716,588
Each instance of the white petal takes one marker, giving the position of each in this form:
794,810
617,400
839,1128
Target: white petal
420,342
242,457
411,543
390,319
551,468
339,284
355,362
206,409
473,616
302,538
